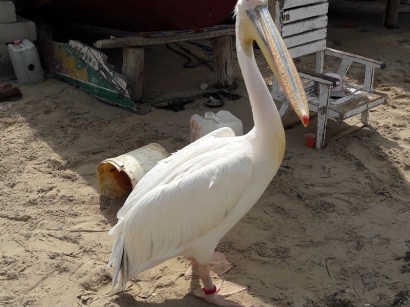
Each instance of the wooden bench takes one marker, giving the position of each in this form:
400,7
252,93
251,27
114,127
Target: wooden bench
133,53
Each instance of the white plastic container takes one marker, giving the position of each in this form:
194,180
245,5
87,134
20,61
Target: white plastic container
200,126
26,62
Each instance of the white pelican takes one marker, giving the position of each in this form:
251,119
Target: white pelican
190,200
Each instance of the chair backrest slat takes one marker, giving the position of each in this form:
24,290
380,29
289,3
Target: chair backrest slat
305,38
304,12
288,4
307,48
304,26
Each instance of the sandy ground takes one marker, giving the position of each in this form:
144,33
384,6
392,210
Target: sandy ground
332,229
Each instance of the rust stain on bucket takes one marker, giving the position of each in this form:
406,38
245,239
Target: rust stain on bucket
119,175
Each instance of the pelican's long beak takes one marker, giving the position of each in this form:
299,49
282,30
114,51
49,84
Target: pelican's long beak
279,60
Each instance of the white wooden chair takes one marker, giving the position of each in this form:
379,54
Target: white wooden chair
302,24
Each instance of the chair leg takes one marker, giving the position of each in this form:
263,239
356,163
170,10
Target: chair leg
322,112
368,84
365,117
275,95
321,130
368,77
284,108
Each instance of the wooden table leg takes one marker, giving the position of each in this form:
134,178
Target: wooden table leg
223,61
133,69
392,13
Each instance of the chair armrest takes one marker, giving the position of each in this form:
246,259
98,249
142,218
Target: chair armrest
355,58
318,77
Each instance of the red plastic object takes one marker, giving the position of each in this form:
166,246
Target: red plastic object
310,139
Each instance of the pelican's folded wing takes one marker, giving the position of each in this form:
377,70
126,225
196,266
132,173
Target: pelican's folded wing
167,220
164,171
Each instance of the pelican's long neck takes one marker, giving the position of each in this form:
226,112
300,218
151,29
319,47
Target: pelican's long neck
268,123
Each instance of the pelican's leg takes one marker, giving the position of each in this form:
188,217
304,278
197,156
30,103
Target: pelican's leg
194,265
210,291
192,272
219,266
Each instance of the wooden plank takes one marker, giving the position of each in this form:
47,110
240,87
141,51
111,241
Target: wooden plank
312,97
343,67
364,118
355,58
295,3
356,101
165,37
304,12
304,26
318,77
368,84
284,107
337,116
223,61
320,61
157,34
392,13
333,114
133,69
276,13
352,108
368,77
356,92
306,37
307,49
322,115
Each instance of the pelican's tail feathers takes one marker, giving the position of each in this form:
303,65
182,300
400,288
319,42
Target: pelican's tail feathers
118,260
117,229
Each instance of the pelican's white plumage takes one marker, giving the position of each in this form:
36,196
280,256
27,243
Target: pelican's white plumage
190,200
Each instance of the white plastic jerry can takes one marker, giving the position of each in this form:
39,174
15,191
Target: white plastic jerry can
200,126
26,62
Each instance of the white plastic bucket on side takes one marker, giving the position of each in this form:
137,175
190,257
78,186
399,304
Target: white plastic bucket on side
200,126
26,62
119,175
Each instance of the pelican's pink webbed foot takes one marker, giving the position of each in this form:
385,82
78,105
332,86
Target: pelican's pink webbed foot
215,298
215,294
